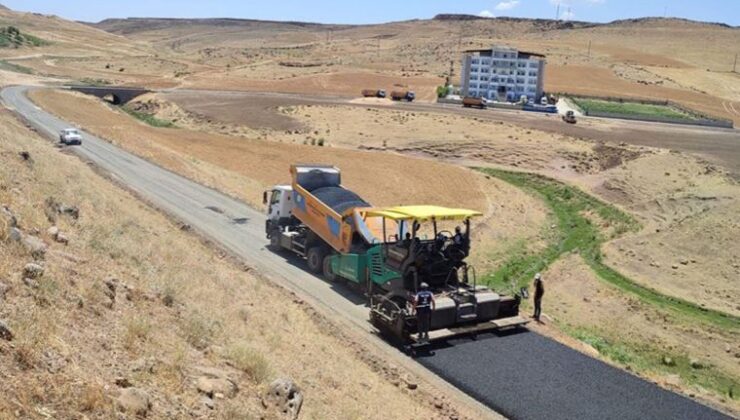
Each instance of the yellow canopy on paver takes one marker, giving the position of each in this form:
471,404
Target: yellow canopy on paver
422,213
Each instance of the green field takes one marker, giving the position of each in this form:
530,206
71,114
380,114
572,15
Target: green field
631,109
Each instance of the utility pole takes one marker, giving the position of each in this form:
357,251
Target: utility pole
557,12
665,12
589,48
734,66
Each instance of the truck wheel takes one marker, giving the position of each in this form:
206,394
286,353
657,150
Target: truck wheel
315,257
328,273
275,242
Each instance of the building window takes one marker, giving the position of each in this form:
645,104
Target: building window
533,64
533,73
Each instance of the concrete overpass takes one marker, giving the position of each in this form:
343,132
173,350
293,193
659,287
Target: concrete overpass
113,94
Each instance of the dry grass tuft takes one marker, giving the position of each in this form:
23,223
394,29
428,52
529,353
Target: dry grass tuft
199,330
248,360
136,331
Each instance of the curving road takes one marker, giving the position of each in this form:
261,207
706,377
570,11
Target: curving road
523,375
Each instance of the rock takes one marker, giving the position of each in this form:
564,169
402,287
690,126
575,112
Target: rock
283,399
35,246
215,386
135,401
145,364
410,382
684,261
674,266
53,208
32,283
5,332
122,382
7,215
62,238
33,270
207,401
53,232
71,211
15,235
727,346
668,361
696,364
111,284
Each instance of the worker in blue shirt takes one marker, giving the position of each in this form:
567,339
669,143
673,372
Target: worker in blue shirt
423,306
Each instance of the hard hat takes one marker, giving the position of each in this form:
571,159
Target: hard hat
424,285
538,276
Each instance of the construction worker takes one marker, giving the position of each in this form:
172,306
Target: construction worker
539,291
424,305
458,238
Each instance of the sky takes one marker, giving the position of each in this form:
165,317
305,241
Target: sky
378,11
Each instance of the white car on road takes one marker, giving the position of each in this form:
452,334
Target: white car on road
70,136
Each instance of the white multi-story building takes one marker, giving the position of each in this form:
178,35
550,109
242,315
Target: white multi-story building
502,74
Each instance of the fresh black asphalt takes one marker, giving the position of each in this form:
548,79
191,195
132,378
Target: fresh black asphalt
524,375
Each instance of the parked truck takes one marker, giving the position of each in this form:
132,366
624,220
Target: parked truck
569,117
473,102
403,95
386,253
373,93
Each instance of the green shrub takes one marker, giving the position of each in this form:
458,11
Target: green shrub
443,91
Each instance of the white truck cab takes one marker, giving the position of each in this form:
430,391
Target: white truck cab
279,203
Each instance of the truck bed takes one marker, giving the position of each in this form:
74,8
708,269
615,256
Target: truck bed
339,199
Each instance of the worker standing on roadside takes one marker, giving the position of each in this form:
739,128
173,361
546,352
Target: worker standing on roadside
424,305
539,291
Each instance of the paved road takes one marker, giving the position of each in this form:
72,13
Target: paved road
523,375
720,146
528,376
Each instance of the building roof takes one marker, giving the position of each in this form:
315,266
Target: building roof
487,52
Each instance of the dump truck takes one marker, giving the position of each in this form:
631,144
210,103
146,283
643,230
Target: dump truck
386,253
403,95
373,93
473,102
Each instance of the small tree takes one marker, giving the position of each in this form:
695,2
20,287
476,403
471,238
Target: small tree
443,91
